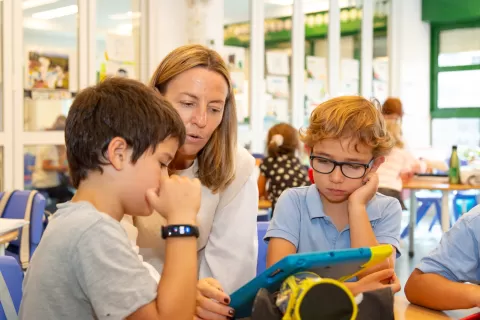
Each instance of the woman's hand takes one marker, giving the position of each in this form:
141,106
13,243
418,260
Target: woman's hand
212,302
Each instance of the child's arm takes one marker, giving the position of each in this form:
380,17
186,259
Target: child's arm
284,230
436,292
262,181
278,248
361,232
437,282
176,291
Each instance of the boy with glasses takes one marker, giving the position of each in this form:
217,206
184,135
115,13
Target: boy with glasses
348,142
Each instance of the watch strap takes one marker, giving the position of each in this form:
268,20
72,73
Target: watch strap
179,230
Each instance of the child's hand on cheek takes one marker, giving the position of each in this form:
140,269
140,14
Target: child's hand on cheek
365,193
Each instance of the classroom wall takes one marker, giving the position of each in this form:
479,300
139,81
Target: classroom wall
412,72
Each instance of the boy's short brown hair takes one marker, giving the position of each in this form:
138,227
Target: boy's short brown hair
116,107
349,117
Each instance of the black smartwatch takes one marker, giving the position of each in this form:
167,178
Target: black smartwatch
179,230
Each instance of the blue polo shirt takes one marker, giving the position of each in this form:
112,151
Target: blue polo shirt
300,219
457,257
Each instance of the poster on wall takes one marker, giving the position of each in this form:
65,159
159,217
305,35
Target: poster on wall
380,78
120,69
316,68
234,58
120,47
278,63
350,76
47,71
119,58
277,110
278,86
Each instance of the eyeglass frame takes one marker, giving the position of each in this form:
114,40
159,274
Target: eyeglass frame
340,164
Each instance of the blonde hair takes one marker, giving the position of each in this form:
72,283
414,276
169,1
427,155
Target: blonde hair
220,150
395,129
349,117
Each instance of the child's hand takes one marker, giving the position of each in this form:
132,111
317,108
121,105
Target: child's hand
365,193
177,199
374,281
212,302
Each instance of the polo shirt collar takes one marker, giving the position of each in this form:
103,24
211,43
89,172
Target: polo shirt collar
315,205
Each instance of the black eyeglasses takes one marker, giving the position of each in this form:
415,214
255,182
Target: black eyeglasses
350,170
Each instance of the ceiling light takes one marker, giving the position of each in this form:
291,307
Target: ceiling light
28,4
125,16
56,13
30,23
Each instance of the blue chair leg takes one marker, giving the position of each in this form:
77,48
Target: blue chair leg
438,216
422,210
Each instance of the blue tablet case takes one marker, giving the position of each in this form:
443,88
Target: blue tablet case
339,264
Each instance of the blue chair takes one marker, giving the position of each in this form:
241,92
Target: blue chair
13,275
15,209
262,227
464,201
426,201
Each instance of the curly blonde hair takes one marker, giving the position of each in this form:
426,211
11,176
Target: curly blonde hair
349,117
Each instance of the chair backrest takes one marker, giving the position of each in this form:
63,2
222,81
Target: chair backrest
262,227
13,275
15,209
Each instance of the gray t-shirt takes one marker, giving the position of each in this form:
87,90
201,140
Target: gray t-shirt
85,268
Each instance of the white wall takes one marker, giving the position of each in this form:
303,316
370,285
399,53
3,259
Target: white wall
412,39
180,22
170,28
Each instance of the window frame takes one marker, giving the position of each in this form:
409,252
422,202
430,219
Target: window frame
435,69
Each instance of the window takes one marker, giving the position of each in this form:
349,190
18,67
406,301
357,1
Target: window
455,66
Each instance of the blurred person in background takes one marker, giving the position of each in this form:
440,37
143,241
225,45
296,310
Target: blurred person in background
49,175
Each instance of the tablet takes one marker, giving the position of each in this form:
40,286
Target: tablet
338,264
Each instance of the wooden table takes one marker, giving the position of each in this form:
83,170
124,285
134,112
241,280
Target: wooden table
417,184
403,310
5,239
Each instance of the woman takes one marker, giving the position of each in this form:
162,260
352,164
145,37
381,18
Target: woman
399,166
196,81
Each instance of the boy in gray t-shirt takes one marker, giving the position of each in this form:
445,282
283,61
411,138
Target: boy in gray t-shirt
120,137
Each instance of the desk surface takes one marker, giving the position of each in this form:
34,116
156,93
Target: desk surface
8,237
430,185
406,311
